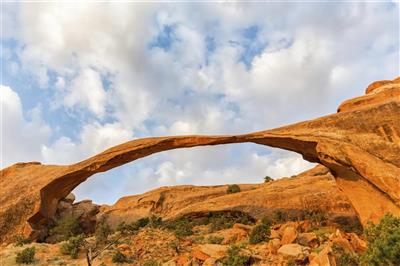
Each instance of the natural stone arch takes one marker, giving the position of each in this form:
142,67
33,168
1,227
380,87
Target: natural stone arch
360,145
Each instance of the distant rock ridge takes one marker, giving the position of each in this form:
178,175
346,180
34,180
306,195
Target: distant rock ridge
360,145
313,191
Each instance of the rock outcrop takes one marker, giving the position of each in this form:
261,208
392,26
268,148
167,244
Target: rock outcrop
360,145
313,191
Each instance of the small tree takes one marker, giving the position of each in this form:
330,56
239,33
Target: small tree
234,258
26,256
73,246
175,245
345,258
102,232
233,189
215,239
65,228
155,221
119,257
259,233
20,240
268,179
384,242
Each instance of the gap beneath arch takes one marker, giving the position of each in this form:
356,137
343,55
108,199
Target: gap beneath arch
209,165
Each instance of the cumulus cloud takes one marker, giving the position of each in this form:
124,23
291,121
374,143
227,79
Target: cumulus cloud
21,137
86,90
94,138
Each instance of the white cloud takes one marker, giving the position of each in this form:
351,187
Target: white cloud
94,138
87,91
21,138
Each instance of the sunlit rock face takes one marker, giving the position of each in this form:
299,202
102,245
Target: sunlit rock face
360,145
313,191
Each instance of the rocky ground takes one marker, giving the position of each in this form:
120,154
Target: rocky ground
308,242
302,220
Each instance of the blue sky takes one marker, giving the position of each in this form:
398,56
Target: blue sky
79,78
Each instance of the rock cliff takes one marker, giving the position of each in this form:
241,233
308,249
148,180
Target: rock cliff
360,145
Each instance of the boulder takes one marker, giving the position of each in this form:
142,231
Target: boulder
289,235
343,243
183,260
199,255
213,250
275,234
307,239
210,262
244,227
70,198
324,258
273,245
357,243
124,248
294,251
233,235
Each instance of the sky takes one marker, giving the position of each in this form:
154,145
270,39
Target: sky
78,78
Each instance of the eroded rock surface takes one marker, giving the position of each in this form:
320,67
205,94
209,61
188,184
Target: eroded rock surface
295,197
360,145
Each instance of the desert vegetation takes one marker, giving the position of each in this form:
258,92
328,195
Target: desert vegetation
236,235
233,189
26,256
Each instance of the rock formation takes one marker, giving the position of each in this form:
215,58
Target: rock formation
312,191
360,145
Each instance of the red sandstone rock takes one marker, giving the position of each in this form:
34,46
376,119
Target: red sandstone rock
360,145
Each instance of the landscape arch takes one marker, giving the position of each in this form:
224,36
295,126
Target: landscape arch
360,145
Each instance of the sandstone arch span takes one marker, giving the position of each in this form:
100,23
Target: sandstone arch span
360,145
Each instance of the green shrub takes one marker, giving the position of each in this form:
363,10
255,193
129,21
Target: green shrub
174,244
384,242
234,258
141,223
65,228
217,221
317,217
102,231
267,221
181,227
344,258
268,179
279,216
291,263
225,220
323,232
20,240
73,246
122,227
215,239
347,259
119,257
349,224
259,233
26,256
134,227
233,189
198,239
151,263
155,221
